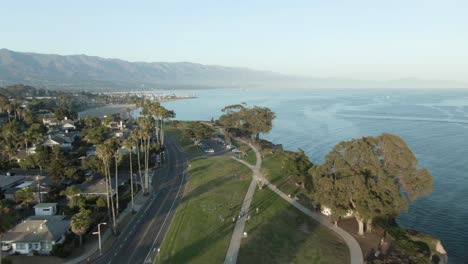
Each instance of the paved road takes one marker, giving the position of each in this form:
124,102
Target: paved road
141,238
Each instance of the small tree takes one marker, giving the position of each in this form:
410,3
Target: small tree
80,223
100,203
25,195
72,194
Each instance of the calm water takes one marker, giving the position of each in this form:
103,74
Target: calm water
433,123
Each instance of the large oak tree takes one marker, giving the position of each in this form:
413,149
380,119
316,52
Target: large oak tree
373,176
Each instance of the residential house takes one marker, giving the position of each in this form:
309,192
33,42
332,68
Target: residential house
50,122
64,141
98,186
68,124
10,193
36,234
7,182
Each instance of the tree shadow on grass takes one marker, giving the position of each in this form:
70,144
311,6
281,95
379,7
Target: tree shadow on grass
279,236
188,253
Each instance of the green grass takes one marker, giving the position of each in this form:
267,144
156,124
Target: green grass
272,164
280,233
202,226
184,142
250,157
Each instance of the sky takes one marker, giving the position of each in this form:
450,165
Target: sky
370,40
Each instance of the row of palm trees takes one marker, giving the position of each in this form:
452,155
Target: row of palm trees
150,127
13,108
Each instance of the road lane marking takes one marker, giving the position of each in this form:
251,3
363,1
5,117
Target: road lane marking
169,212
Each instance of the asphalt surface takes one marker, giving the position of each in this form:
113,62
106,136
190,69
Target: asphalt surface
139,241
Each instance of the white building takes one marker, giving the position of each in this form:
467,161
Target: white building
45,209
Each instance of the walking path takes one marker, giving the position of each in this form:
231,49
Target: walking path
231,257
234,245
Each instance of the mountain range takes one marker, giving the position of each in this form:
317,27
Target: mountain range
95,73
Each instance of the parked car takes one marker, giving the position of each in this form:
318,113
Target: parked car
209,150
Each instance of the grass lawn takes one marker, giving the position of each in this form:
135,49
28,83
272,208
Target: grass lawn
280,233
202,226
250,157
185,143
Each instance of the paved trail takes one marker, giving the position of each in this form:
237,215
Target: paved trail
231,256
234,245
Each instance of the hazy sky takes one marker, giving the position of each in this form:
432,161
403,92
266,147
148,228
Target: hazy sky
375,40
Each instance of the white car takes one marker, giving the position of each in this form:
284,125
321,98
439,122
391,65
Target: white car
209,150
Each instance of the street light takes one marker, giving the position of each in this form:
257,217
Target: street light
99,235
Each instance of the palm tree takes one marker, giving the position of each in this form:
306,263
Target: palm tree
80,223
136,136
115,146
104,152
146,124
129,145
165,114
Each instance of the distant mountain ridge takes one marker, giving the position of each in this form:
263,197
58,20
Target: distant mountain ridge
90,73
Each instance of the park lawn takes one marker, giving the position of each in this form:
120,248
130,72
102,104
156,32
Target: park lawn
202,226
250,157
184,142
279,233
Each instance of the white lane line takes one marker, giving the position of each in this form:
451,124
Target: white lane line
165,219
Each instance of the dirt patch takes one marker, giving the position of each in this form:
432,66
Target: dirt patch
369,243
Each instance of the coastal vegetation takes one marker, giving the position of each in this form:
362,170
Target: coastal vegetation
241,120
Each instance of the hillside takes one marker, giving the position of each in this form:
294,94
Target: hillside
95,73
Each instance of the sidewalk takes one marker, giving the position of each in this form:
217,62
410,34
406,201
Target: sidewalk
354,248
234,245
231,257
92,248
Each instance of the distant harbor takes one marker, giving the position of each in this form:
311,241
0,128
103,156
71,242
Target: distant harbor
153,96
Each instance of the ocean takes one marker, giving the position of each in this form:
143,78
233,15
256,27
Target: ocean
434,123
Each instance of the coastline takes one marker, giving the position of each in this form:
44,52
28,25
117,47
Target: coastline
108,110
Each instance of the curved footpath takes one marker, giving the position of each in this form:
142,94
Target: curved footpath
234,245
233,250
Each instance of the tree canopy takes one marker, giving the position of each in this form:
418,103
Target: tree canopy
251,120
373,176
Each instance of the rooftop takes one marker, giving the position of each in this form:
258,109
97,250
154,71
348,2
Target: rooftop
38,228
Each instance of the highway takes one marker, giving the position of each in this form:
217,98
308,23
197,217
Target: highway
139,241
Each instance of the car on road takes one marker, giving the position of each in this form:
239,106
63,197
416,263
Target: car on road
209,150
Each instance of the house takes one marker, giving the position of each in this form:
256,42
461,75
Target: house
50,121
36,234
60,140
45,209
98,186
10,193
7,182
68,124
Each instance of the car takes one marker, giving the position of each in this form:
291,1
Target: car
236,150
209,150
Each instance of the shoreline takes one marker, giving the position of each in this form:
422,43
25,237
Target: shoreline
107,109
